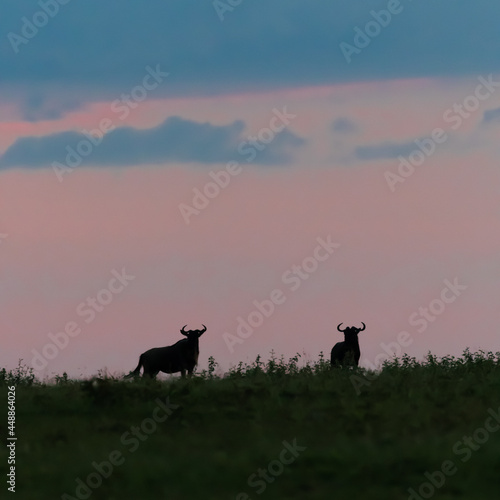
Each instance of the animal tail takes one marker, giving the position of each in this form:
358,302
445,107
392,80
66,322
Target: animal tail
136,371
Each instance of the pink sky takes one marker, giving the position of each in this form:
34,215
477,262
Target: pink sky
396,248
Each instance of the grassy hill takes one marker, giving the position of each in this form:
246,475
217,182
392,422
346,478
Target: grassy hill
267,430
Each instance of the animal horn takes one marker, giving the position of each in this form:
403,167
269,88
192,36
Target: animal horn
182,330
364,326
204,328
338,328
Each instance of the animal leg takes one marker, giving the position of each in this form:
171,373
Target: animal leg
150,373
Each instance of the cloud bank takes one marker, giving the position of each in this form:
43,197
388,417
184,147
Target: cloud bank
175,140
256,46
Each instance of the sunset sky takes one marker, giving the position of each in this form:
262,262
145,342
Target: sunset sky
168,163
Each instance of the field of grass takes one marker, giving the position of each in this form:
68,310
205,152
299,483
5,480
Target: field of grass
280,430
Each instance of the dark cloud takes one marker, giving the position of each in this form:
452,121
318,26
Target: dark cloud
38,108
385,150
491,115
175,140
102,48
344,126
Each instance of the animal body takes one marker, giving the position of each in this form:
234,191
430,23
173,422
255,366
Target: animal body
347,353
179,357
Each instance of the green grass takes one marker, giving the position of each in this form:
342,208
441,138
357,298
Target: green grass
373,443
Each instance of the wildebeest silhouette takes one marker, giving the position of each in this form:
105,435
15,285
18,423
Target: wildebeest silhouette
347,353
179,357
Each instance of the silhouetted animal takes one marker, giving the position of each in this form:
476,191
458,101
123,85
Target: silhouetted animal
180,357
347,353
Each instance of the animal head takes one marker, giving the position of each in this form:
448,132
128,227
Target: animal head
351,332
193,334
